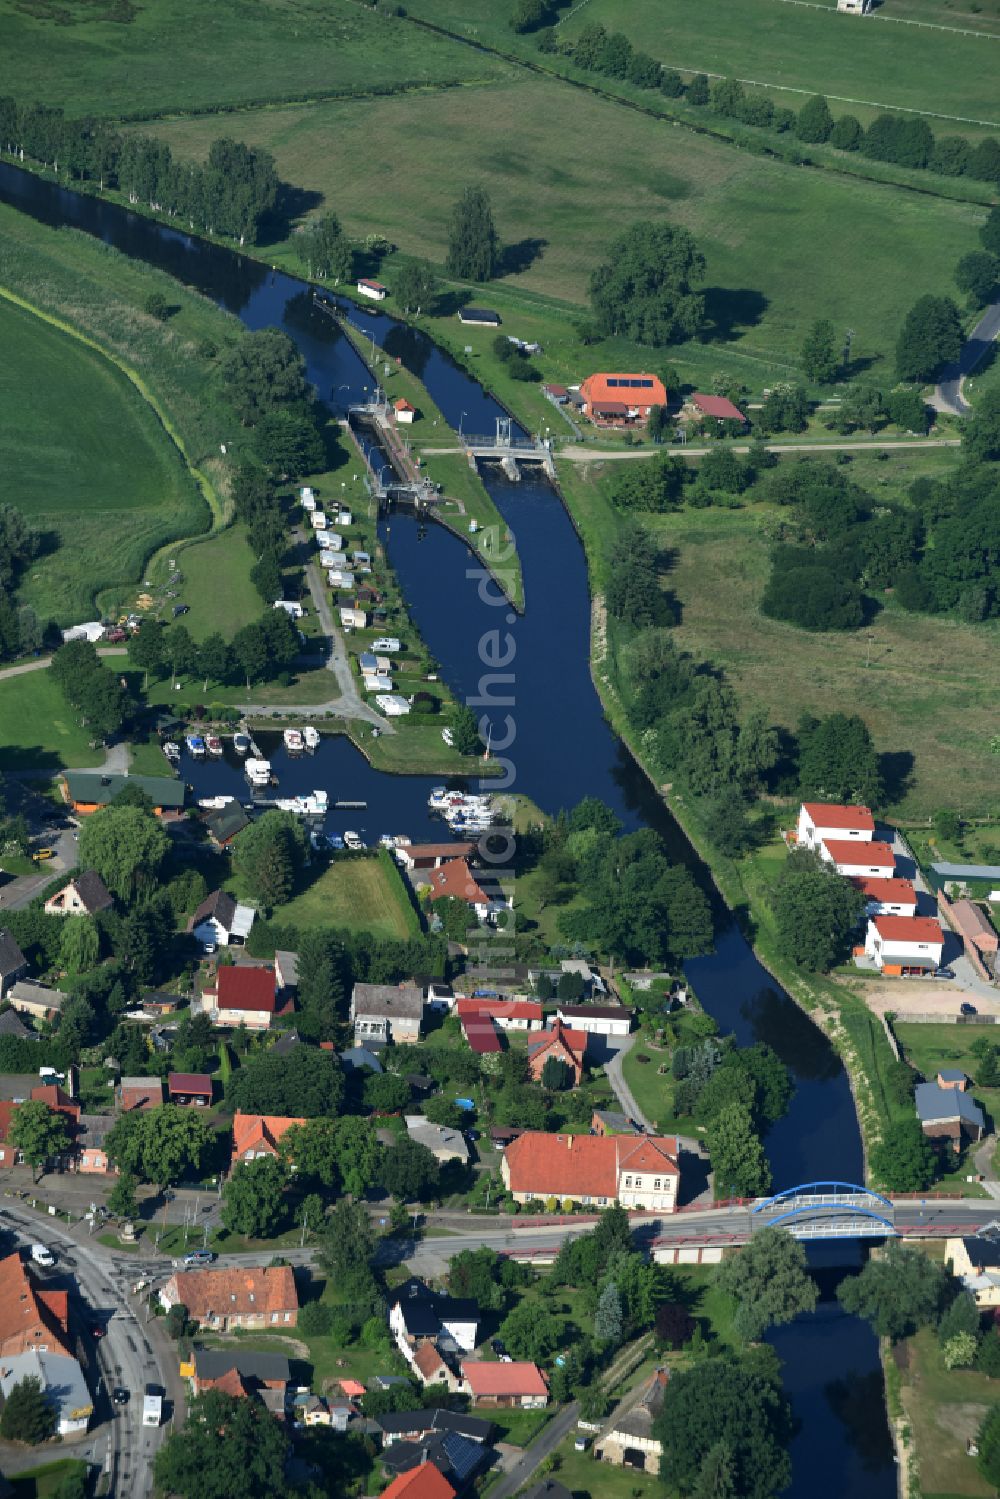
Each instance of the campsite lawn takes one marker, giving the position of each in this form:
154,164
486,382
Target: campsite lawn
923,685
85,460
177,55
354,893
217,584
780,241
37,728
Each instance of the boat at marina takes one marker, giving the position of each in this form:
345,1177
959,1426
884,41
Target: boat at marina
294,743
311,737
214,746
195,746
353,841
258,772
241,744
172,751
215,803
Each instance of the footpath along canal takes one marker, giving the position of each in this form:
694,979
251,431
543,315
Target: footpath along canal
562,750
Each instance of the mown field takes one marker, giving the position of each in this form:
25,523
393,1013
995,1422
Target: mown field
86,461
38,730
781,242
924,686
809,49
354,893
179,55
217,586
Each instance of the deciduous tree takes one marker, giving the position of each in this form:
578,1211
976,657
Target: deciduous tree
731,1402
770,1282
41,1134
646,288
897,1292
253,1199
473,242
226,1449
127,847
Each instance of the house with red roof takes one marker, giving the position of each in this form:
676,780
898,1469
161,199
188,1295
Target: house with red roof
481,1033
564,1045
454,878
596,1171
508,1014
404,411
874,861
719,408
887,897
621,400
194,1088
244,994
505,1385
256,1135
224,1299
372,289
901,945
422,1482
32,1317
821,820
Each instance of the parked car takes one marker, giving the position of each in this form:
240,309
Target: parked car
967,1009
944,973
180,609
199,1257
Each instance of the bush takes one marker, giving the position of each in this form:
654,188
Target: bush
846,134
316,1319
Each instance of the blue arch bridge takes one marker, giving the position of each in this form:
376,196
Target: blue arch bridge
826,1210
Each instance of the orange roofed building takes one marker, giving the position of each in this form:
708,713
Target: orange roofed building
562,1043
636,1171
227,1299
621,400
256,1135
31,1319
424,1482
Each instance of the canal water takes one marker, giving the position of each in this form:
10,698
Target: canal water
562,749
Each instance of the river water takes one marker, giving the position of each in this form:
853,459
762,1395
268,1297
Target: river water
562,750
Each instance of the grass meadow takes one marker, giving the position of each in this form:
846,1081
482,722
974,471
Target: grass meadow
567,170
356,893
217,584
38,730
924,686
176,55
86,461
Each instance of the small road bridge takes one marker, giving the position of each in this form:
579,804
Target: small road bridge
504,448
827,1210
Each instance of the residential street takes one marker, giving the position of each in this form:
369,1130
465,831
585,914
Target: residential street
948,395
545,1443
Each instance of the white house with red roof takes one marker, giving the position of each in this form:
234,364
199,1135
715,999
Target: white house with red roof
508,1014
874,861
244,994
636,1171
901,945
519,1384
887,897
373,289
819,821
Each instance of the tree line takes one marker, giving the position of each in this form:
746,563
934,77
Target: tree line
231,194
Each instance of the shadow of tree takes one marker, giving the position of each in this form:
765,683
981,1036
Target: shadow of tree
521,255
731,310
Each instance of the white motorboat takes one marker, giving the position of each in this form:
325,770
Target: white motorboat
172,751
401,841
241,744
353,841
385,840
214,746
294,743
258,772
195,745
215,803
311,737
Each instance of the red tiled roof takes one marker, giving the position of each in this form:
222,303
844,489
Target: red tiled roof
25,1310
485,1378
56,1099
850,851
351,1387
437,850
227,1292
575,1042
425,1482
456,878
908,928
367,281
231,1383
57,1304
584,1165
189,1082
245,988
427,1360
403,405
259,1131
481,1034
888,891
837,815
501,1009
717,406
599,390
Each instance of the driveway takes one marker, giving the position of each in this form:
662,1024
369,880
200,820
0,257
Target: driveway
948,394
621,1089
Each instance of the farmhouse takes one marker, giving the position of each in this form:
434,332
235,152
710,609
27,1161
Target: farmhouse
226,1299
506,1385
257,1135
621,400
594,1170
629,1440
385,1012
821,820
13,963
220,921
88,791
372,289
901,945
562,1045
858,860
948,1114
84,895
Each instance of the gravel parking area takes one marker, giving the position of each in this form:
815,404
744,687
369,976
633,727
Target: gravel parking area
916,997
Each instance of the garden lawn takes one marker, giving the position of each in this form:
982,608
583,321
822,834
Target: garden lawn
217,585
38,729
652,1092
780,241
178,55
87,462
929,1047
44,1482
943,1410
354,893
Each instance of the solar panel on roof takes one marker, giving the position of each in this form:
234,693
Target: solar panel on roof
613,381
463,1455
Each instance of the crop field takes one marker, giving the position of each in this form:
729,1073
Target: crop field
924,686
88,464
780,241
813,50
180,55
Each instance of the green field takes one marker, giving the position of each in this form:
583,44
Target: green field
178,55
85,459
37,727
217,584
354,893
944,1409
811,50
781,242
923,685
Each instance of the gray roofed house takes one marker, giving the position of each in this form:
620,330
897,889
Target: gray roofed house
221,920
11,1024
356,1058
948,1114
62,1382
444,1143
286,969
454,1456
608,1122
414,1424
13,963
629,1440
225,823
386,1012
34,999
213,1363
84,895
15,1087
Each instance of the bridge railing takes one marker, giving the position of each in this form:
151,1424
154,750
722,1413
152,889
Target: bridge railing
818,1199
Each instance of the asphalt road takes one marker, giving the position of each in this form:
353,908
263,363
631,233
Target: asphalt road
545,1443
948,395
